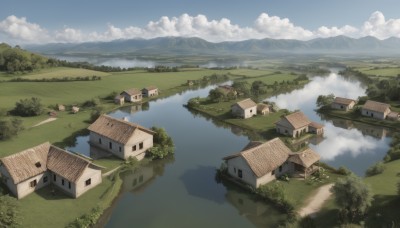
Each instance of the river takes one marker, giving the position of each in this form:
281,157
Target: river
182,191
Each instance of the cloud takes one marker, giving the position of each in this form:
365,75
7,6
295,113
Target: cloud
19,30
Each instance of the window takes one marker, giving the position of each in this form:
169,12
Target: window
120,149
33,183
140,145
251,110
38,165
240,174
88,182
134,148
62,182
45,179
280,168
69,184
54,177
110,145
273,172
99,140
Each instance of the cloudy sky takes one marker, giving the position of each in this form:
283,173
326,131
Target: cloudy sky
44,21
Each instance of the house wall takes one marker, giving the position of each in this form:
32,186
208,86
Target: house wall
342,106
90,173
137,138
132,98
373,114
63,187
24,188
286,130
150,93
105,144
286,168
317,131
237,163
238,111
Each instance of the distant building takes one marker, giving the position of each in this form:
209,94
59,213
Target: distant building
341,103
119,99
244,109
263,109
150,91
75,109
132,95
375,109
297,124
121,138
226,89
259,163
39,166
393,116
60,108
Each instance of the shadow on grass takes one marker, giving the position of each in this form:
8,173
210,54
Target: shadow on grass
70,141
384,212
52,192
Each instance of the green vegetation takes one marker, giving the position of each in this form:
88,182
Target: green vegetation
10,128
275,192
324,101
28,107
10,215
375,169
163,144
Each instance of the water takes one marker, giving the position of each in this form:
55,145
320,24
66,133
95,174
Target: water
353,145
182,191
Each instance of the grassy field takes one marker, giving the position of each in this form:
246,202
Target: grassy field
386,72
58,72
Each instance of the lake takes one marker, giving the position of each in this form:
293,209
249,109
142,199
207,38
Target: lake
182,191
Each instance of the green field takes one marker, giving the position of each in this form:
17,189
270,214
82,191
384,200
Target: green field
385,72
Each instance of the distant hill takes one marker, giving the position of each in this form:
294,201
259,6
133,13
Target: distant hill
195,46
15,59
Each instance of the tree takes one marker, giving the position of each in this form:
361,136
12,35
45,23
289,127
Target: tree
10,128
28,107
353,196
216,95
325,100
242,87
9,212
163,144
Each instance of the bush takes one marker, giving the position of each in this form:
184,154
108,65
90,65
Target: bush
343,171
91,103
163,144
10,128
194,102
378,168
28,107
158,152
96,113
276,194
9,212
87,220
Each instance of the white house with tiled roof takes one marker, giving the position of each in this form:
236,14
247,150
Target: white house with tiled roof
132,95
121,138
244,109
150,91
375,109
45,164
296,124
342,103
259,163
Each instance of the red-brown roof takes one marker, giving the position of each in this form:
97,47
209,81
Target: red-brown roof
343,101
376,106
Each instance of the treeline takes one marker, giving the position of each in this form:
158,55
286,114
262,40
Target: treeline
63,79
89,66
159,69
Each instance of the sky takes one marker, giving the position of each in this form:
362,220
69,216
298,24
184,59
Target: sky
48,21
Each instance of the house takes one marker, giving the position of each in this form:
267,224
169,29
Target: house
393,116
297,124
259,163
121,138
45,164
375,109
343,104
132,95
227,89
244,109
60,108
119,99
190,82
263,109
150,91
75,109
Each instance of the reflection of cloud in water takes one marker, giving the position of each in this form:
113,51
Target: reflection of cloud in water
339,141
306,97
126,63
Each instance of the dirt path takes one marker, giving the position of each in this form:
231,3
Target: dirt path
315,202
45,121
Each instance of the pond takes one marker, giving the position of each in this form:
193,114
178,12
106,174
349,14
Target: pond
182,191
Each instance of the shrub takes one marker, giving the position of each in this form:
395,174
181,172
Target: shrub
10,128
377,168
163,144
28,107
96,113
92,103
158,152
87,220
194,102
276,194
343,171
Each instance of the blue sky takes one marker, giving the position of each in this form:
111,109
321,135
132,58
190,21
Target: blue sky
41,21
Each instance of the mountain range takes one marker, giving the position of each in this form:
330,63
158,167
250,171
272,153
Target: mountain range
196,46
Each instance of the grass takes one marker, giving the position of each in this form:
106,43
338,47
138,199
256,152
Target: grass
57,72
385,72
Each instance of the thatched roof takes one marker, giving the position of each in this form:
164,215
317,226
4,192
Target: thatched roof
118,97
66,164
133,91
316,125
265,157
305,158
376,106
262,107
343,101
27,163
245,104
149,88
36,160
297,120
117,130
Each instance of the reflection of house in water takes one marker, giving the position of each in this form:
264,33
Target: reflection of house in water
134,180
341,123
374,131
135,108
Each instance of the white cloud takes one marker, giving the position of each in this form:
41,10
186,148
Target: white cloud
19,30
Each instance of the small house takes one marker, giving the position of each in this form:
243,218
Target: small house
344,104
227,89
297,124
150,91
119,99
121,138
393,116
263,109
132,95
45,164
75,109
244,109
375,109
60,108
259,163
190,82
